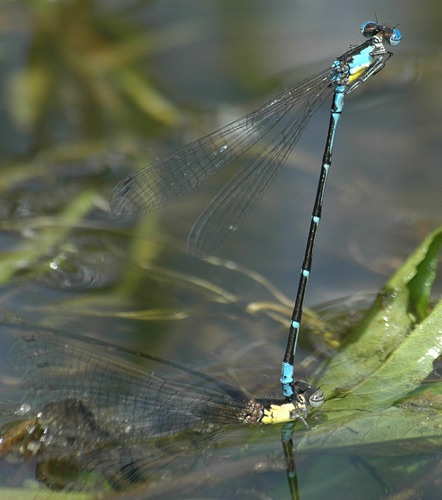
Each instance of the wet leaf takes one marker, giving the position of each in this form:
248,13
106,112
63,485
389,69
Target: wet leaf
370,382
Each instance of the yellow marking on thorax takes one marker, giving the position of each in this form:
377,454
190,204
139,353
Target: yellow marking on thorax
278,414
358,73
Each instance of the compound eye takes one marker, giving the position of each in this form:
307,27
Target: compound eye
395,37
368,29
316,399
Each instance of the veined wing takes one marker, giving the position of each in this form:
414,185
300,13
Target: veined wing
239,196
123,400
168,178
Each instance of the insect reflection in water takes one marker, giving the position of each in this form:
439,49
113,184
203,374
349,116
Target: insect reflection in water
94,424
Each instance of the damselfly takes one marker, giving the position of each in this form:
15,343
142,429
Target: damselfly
93,423
169,178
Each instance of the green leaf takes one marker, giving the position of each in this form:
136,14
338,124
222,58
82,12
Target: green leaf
371,384
405,430
420,285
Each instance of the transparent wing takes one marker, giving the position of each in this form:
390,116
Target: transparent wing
109,424
119,396
170,177
238,198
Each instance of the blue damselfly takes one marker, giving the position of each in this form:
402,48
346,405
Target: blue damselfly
169,178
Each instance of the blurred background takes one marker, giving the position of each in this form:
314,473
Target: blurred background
106,87
93,90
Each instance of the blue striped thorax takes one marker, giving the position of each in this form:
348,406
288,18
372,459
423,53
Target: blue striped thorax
360,62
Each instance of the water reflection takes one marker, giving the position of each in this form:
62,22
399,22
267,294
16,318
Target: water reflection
94,424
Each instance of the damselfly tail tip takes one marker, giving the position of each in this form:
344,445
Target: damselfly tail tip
121,204
195,251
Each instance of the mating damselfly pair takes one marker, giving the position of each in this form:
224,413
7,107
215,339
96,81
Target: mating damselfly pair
71,394
169,178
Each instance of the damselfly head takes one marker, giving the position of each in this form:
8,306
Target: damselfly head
308,394
316,399
391,36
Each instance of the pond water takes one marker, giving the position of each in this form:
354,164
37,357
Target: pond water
91,91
